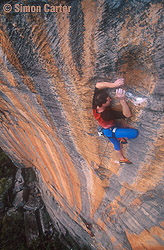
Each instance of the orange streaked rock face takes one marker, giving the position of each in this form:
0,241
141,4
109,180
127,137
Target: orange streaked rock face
50,63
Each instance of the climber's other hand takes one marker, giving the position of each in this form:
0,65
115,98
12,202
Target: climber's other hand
119,82
120,93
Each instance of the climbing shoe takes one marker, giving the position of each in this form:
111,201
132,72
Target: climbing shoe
122,140
125,161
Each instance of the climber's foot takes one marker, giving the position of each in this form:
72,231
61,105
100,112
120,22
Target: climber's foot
122,140
125,161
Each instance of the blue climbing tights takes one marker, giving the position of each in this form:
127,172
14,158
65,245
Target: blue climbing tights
129,133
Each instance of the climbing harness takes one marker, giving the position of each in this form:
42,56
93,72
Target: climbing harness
101,133
113,132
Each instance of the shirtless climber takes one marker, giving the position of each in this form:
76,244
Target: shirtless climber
106,116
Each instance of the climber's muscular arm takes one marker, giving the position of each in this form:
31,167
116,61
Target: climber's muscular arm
120,94
116,84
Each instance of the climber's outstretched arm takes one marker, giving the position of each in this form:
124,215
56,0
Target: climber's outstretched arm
116,84
120,94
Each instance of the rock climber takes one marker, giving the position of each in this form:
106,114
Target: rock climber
107,117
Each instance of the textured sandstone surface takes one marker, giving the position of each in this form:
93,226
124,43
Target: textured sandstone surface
49,63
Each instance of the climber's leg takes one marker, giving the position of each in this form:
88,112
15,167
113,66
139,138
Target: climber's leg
132,133
120,155
129,133
116,143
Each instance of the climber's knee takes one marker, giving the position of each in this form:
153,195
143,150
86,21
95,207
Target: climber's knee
135,133
131,133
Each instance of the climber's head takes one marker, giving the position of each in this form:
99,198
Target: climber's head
107,103
102,99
